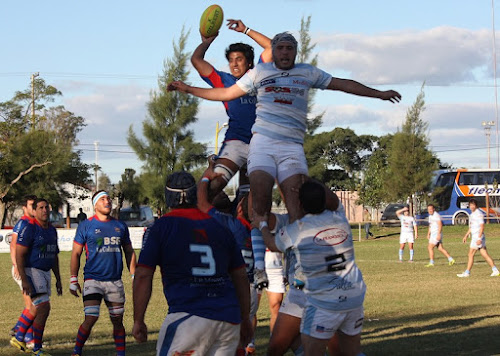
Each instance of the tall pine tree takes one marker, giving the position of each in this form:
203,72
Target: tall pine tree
410,161
168,144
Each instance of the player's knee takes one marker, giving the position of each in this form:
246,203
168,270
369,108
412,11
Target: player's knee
116,312
225,172
41,303
92,311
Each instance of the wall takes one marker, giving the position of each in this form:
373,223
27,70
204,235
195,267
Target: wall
66,236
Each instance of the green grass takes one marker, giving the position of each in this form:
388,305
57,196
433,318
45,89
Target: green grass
409,309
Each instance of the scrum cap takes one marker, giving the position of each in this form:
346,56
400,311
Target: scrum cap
180,189
283,37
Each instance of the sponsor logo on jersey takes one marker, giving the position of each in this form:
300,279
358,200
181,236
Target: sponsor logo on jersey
268,81
330,237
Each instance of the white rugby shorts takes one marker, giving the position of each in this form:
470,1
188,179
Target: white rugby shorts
294,303
474,245
186,334
281,159
406,238
433,239
234,150
322,323
112,291
39,279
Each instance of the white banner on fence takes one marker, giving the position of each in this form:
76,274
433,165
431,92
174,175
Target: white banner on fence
65,238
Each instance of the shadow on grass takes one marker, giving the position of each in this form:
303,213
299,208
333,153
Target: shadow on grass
454,336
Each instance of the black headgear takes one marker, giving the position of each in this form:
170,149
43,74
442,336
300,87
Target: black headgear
180,189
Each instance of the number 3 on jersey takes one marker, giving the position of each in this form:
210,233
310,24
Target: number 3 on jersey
206,258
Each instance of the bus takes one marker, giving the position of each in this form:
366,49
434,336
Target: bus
452,190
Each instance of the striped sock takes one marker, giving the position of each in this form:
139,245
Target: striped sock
119,336
23,324
37,336
259,249
81,337
29,335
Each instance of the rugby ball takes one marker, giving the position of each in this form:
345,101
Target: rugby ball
211,20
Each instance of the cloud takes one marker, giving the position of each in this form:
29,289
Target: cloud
440,56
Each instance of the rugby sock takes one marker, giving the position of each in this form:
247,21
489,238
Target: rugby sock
411,254
81,338
259,249
467,271
400,255
29,335
450,259
494,268
23,324
431,262
37,336
119,336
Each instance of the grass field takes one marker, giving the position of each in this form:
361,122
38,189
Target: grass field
409,309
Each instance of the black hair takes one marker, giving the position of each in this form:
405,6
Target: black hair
247,51
28,197
473,201
39,200
222,203
312,197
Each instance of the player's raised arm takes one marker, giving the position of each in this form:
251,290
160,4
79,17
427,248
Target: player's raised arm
353,87
203,67
214,94
262,40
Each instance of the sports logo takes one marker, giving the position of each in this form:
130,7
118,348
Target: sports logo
330,237
269,81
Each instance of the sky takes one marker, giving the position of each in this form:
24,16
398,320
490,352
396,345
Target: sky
106,56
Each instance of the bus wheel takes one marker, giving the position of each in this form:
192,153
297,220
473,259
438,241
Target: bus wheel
461,219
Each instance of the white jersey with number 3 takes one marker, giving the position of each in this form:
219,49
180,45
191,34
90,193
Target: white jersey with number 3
324,249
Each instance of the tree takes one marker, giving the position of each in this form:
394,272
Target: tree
410,162
304,53
168,144
36,156
337,157
372,189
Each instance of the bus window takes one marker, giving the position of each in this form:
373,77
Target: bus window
467,178
446,179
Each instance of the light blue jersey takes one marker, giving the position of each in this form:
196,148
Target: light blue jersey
282,97
324,249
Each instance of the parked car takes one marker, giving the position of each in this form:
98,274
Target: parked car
389,217
137,216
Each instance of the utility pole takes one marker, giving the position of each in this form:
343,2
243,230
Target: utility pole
33,76
487,131
96,168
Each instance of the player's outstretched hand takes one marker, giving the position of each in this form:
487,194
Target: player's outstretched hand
391,95
140,331
178,85
209,40
236,25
